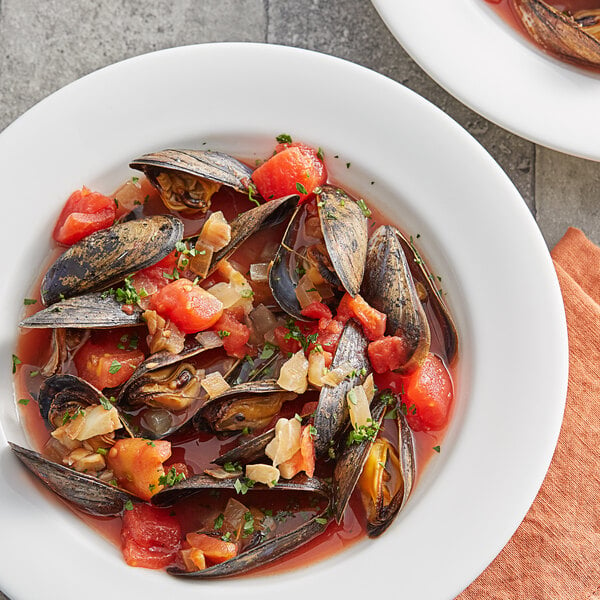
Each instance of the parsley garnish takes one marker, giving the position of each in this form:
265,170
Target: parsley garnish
15,361
321,520
223,334
127,294
320,154
24,401
251,191
135,179
219,521
348,165
28,301
106,403
267,351
248,528
246,293
437,449
232,467
34,373
226,537
171,477
301,189
363,207
243,484
115,367
284,138
102,451
364,433
128,505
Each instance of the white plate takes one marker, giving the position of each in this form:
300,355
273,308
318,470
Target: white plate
471,52
431,177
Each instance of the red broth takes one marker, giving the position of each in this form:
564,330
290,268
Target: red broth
507,12
199,449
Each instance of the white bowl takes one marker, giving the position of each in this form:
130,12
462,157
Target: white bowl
477,57
431,177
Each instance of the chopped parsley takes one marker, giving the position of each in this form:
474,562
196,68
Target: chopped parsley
294,333
223,334
251,191
28,301
248,528
68,417
127,294
301,189
363,433
321,521
246,293
348,165
363,207
243,484
437,449
284,138
135,179
226,537
115,367
106,403
219,521
268,350
232,467
15,361
171,477
102,451
320,154
34,373
24,401
128,505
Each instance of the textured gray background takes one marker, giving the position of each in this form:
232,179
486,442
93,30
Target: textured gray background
47,44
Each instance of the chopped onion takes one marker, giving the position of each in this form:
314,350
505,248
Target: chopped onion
286,441
233,516
83,460
306,292
263,474
200,262
220,473
358,405
216,232
316,368
259,272
294,373
337,375
209,339
369,387
214,384
263,321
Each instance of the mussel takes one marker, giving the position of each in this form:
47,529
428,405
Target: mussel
187,179
107,256
263,552
335,253
389,287
575,37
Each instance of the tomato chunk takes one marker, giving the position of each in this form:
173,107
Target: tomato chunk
150,537
188,306
429,395
296,169
387,353
286,345
157,276
303,459
108,359
235,335
84,212
214,549
138,465
317,310
372,321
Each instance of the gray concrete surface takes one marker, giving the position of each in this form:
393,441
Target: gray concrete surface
46,44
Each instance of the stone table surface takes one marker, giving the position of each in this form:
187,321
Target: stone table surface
45,45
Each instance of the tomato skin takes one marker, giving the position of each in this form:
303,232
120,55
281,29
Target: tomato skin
83,213
387,353
285,345
151,279
239,334
150,537
190,307
214,549
429,395
373,322
295,163
96,359
317,310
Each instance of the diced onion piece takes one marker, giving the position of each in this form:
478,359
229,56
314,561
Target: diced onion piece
210,339
214,384
294,373
216,232
220,473
337,375
200,262
233,516
316,368
325,290
237,292
358,405
83,460
99,421
263,321
226,293
263,474
193,559
306,292
369,387
286,441
259,272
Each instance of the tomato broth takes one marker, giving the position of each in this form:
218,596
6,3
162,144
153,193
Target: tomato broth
197,449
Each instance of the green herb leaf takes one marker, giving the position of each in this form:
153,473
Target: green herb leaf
115,367
284,138
24,401
102,451
268,350
128,505
321,521
437,449
223,334
363,207
232,467
243,484
28,301
105,403
246,293
320,154
219,521
301,189
15,361
171,478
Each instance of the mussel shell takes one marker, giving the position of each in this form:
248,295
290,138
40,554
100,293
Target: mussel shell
61,391
105,257
557,32
252,404
90,311
331,413
388,286
421,272
248,450
345,231
84,491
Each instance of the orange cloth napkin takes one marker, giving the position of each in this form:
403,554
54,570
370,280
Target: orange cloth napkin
555,553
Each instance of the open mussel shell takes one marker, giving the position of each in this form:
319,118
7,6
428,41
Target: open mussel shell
267,215
421,273
345,231
557,32
106,257
249,405
264,552
388,286
90,311
59,392
331,414
222,169
351,464
84,491
248,450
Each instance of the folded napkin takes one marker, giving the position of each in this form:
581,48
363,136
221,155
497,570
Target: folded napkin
555,553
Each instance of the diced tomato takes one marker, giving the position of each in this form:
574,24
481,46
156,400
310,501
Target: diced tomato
317,310
189,306
134,193
329,336
180,469
372,321
84,212
344,310
285,345
138,465
157,276
239,334
296,169
387,353
303,459
214,549
429,395
391,381
150,537
108,359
